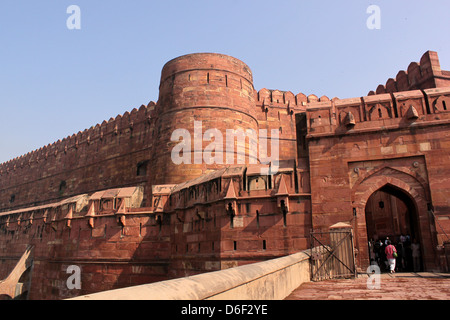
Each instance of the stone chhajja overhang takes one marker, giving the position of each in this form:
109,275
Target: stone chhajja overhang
117,202
225,184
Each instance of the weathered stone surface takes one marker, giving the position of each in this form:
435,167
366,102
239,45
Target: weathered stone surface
76,202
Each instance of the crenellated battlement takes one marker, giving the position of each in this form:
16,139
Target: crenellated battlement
217,90
121,124
423,75
266,97
418,75
379,112
112,200
112,154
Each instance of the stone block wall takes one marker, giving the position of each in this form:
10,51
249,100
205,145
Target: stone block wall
102,157
399,140
109,255
338,152
269,280
426,74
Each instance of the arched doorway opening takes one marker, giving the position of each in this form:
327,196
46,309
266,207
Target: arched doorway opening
392,215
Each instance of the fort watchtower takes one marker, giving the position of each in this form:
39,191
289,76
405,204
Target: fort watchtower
215,89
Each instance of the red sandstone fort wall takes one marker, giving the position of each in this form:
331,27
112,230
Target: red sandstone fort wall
341,151
358,145
426,74
276,110
214,90
109,155
206,238
102,157
109,255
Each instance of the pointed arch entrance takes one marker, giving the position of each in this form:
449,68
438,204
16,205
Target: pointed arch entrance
391,214
390,188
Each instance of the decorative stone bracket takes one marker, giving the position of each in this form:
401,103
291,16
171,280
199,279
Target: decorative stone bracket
283,196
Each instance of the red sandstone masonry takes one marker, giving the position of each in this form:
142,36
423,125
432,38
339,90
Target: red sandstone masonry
101,157
336,144
186,228
214,89
424,75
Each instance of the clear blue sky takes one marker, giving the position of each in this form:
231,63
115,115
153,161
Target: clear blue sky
55,82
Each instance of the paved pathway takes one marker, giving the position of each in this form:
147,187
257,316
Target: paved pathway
397,286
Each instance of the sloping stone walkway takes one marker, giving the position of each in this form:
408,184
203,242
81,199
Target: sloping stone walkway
397,286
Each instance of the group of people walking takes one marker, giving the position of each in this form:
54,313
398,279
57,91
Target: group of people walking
404,255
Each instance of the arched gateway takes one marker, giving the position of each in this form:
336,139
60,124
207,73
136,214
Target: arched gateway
389,203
